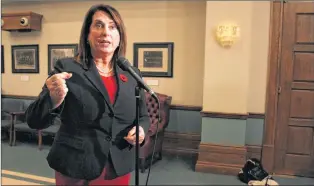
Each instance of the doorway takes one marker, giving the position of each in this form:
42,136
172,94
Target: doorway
288,146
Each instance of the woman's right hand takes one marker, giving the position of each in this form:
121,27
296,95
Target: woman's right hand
57,87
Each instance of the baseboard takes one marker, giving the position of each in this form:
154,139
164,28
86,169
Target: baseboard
267,157
211,158
253,151
220,159
184,144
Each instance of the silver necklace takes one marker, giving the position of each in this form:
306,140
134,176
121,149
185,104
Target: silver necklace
103,70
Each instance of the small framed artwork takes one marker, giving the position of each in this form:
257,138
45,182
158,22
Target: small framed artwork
25,59
154,59
59,51
2,59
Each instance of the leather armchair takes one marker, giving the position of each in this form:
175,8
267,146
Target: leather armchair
147,149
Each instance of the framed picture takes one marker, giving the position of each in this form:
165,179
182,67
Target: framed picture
59,51
154,59
25,59
2,59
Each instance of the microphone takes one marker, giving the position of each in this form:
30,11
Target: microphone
125,65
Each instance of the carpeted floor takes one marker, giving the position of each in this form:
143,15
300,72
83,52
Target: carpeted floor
24,164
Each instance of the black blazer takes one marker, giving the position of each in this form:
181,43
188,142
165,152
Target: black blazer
92,128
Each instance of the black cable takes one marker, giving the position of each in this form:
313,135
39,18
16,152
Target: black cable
155,140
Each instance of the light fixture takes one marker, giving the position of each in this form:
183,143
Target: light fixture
227,34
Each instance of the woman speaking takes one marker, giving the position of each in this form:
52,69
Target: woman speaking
95,100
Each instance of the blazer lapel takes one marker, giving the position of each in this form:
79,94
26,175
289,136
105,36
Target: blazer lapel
94,77
118,72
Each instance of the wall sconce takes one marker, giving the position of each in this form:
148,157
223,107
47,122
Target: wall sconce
227,34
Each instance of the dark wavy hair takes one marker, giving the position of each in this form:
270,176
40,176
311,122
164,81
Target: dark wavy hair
84,50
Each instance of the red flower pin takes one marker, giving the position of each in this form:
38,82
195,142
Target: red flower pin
123,78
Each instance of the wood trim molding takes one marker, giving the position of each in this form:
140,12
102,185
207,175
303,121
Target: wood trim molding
185,107
227,160
18,97
185,144
272,84
181,107
224,115
256,115
253,151
232,115
220,159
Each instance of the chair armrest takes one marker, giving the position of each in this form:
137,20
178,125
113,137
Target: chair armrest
14,113
18,113
5,112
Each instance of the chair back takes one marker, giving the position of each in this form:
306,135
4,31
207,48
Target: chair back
152,108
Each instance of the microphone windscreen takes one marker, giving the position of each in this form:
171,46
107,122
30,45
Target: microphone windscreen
123,63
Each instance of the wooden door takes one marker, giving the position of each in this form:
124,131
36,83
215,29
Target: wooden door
294,138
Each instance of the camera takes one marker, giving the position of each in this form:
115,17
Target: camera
24,21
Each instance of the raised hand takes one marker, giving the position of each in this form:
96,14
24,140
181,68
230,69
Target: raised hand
57,87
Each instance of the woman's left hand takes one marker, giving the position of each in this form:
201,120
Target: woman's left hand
131,137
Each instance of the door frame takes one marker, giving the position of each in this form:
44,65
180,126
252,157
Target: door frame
274,58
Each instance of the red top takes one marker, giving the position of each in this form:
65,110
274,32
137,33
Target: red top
111,86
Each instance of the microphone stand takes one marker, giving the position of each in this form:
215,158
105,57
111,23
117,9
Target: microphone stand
137,145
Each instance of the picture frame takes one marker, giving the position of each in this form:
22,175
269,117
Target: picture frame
2,59
59,51
154,59
25,58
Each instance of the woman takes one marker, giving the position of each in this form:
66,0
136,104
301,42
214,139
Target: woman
95,100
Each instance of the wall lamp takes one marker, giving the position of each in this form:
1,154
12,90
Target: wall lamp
227,34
